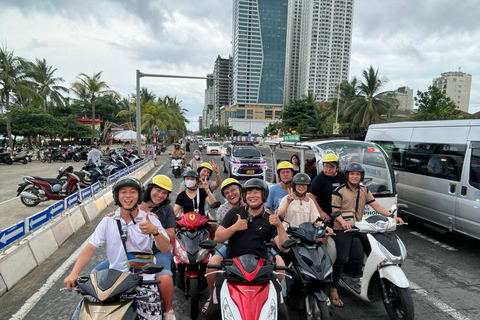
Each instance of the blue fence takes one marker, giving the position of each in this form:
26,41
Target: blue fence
22,228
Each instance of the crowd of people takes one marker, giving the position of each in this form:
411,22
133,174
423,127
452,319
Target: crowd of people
249,216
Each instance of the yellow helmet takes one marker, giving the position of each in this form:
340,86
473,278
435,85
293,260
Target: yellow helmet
163,182
284,165
205,165
230,181
331,158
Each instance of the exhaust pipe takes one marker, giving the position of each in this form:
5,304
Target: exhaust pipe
29,195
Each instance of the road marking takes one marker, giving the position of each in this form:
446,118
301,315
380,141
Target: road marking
438,243
32,301
437,303
7,200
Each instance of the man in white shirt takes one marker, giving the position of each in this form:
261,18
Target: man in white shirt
141,231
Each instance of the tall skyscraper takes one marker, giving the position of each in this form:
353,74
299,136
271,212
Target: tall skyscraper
324,48
259,43
457,85
208,112
221,85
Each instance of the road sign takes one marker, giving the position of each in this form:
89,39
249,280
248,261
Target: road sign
96,187
85,193
38,219
56,209
71,200
12,233
291,137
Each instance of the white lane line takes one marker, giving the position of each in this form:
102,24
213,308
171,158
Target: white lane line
32,301
438,243
7,200
437,303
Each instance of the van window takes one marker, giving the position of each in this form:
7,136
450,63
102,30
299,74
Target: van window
443,161
474,178
396,151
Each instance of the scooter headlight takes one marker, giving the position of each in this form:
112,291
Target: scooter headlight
272,311
392,259
181,252
202,254
227,312
381,226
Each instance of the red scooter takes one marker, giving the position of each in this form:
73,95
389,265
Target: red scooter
190,259
36,189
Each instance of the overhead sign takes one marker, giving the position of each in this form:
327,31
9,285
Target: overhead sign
38,219
291,137
12,233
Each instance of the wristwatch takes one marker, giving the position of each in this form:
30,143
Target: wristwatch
156,234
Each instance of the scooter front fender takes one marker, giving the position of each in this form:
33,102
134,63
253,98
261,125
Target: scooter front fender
320,295
395,275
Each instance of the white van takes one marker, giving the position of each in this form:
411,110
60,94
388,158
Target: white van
438,168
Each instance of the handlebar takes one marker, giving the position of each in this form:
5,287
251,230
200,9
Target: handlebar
214,266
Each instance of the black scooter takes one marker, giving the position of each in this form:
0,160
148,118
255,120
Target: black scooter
5,158
312,270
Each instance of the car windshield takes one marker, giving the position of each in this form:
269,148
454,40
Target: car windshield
246,152
226,144
214,144
377,171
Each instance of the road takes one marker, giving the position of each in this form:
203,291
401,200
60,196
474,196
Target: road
444,271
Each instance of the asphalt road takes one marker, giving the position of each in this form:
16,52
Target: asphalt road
444,271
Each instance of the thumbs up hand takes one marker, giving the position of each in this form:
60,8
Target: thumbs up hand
147,227
274,220
241,224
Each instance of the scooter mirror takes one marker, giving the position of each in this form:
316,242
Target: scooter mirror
289,243
402,206
208,244
335,214
152,268
215,205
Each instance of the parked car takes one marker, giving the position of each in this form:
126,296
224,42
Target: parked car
243,160
224,149
213,148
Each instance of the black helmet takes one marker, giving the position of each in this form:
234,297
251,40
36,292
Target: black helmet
301,178
256,183
191,173
177,146
127,181
354,166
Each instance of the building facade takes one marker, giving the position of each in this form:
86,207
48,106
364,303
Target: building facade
221,85
258,47
404,95
457,85
320,35
250,111
208,109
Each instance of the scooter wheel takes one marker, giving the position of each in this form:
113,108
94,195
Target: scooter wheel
63,159
76,158
30,202
9,161
400,306
194,291
24,161
318,309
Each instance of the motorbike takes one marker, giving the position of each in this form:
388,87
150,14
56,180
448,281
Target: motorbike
116,164
85,175
382,277
112,294
312,270
247,288
79,154
176,166
36,189
191,260
56,154
19,156
5,158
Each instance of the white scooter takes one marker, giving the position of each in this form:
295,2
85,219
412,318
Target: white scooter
176,166
382,278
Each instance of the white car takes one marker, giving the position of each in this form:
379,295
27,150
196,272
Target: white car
224,148
213,147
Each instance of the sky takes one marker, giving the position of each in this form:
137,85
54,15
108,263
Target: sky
409,41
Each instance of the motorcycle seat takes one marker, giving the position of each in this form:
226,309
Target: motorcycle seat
49,180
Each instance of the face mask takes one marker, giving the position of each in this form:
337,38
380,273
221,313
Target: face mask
190,183
197,157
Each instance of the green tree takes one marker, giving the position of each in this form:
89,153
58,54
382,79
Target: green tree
13,80
435,105
299,110
91,88
47,85
368,105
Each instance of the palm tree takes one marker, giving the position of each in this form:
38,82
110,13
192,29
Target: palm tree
92,87
13,80
368,105
155,114
47,84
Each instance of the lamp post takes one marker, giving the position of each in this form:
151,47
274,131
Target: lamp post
336,125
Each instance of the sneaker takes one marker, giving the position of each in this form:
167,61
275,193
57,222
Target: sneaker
169,315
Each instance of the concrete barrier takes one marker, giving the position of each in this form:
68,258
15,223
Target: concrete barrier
76,219
62,230
108,197
42,243
100,203
89,210
3,286
16,264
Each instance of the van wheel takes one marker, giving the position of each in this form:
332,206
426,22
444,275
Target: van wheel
224,168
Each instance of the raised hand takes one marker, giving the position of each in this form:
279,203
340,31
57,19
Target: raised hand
203,183
274,220
290,196
241,224
147,227
214,167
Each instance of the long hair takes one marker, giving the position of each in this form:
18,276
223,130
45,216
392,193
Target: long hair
147,198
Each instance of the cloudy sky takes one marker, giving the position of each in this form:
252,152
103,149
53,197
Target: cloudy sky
410,41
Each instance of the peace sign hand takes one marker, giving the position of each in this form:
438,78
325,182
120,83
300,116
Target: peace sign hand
214,167
290,196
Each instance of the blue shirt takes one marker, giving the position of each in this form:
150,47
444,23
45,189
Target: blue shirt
276,194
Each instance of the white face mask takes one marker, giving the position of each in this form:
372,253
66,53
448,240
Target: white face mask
190,183
197,157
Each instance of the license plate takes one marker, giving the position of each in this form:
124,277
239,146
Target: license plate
250,171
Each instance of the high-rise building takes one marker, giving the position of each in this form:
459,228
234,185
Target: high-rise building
320,60
221,85
457,85
208,112
259,43
404,95
200,123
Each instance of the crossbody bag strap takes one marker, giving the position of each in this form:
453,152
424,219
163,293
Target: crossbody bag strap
358,198
119,225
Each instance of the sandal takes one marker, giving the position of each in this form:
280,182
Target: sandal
205,307
336,301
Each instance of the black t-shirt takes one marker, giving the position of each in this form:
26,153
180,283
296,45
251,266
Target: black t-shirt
322,188
248,241
166,216
189,205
